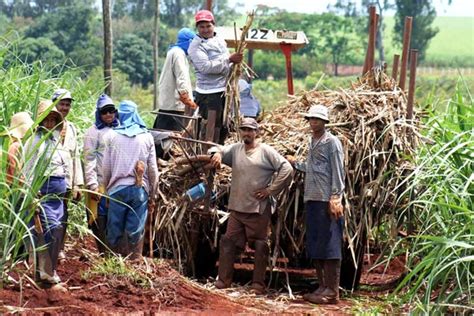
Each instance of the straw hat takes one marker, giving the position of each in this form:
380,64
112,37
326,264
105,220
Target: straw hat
20,123
47,106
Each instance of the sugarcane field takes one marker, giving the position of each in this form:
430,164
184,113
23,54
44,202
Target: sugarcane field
224,157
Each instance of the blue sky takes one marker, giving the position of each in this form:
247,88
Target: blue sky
456,8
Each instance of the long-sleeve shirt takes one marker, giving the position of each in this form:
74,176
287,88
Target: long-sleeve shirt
121,155
69,138
324,168
93,155
174,79
44,155
210,58
254,170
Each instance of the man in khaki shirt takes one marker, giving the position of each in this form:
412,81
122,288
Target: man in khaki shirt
259,173
69,140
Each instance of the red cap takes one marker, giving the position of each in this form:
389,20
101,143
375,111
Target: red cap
204,15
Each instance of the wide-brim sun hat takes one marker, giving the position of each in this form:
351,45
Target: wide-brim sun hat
20,123
46,106
319,111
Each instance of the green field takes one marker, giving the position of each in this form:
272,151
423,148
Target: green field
453,45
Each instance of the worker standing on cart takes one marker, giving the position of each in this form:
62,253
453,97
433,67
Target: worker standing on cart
324,185
175,89
251,201
211,60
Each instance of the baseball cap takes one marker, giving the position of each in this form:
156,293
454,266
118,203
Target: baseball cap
62,94
249,122
204,15
318,111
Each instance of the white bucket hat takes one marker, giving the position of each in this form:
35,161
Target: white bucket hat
20,123
318,111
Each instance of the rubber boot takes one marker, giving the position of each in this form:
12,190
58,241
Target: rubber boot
136,250
98,228
319,266
122,247
330,295
260,266
227,250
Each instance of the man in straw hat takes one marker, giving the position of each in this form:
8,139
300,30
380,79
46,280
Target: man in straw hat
44,154
69,139
20,124
211,59
251,201
324,185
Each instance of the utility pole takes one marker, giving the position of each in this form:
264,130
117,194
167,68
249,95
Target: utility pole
209,5
108,48
156,28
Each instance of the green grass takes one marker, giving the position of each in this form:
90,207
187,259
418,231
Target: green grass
452,46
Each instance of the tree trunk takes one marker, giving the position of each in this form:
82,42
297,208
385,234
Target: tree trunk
107,18
156,28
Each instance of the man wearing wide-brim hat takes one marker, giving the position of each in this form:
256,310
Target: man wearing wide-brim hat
259,173
324,186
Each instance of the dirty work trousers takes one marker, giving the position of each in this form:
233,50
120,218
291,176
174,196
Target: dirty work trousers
127,214
323,234
216,102
248,227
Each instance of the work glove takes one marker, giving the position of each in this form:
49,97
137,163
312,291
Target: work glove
184,97
335,208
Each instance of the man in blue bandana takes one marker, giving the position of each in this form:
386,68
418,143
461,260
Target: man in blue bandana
130,176
175,89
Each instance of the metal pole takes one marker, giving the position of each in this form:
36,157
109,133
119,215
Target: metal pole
369,57
411,84
396,62
156,26
406,48
286,49
108,45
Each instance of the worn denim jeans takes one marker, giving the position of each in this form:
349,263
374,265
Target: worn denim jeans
127,214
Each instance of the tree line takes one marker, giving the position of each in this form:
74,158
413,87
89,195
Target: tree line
66,32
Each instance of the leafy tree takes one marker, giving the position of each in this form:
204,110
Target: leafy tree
338,39
41,48
73,30
133,56
35,8
423,14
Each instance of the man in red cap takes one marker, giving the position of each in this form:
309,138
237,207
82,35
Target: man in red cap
211,60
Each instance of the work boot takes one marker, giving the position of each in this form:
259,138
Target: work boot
319,266
330,295
136,250
98,228
260,266
226,262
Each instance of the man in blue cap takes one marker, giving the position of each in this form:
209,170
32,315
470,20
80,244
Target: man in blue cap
106,118
175,89
130,176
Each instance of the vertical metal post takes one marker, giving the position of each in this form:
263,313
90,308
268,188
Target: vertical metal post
406,48
396,62
286,49
369,57
156,27
411,84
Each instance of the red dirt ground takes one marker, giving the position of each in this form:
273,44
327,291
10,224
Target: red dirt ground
169,293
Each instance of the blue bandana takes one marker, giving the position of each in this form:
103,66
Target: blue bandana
131,124
102,102
185,36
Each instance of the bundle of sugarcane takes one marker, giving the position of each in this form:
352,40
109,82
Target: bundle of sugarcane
232,96
369,120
